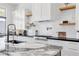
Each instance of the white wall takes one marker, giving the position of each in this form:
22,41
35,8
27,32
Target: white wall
8,12
57,18
70,30
19,15
19,18
9,8
77,20
2,25
55,12
42,29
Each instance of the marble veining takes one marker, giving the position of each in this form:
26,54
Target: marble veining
31,47
48,50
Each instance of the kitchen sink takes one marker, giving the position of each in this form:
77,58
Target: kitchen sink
15,41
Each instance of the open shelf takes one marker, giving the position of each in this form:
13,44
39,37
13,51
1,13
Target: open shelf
28,14
67,24
67,7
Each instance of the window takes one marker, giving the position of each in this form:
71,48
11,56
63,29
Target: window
2,12
2,25
2,20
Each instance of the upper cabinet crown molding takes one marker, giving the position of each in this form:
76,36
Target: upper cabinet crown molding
68,7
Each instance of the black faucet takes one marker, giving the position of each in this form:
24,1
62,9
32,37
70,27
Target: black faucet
8,31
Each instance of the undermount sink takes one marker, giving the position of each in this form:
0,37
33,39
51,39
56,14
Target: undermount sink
29,45
15,41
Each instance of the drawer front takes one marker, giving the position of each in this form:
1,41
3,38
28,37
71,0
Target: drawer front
51,41
69,52
69,48
71,45
56,42
2,46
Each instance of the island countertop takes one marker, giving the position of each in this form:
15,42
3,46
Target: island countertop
33,49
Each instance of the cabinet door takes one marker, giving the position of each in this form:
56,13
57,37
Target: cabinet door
36,12
2,43
68,52
45,11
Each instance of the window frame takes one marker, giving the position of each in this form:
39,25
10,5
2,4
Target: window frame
4,18
5,13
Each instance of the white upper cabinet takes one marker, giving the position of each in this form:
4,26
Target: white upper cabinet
45,13
40,11
36,12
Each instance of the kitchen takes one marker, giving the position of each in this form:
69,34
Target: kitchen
45,23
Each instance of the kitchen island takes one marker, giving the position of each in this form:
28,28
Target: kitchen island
31,47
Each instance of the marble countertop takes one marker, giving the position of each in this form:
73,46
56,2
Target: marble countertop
31,49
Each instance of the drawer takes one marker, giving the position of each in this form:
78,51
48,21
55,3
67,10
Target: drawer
69,53
51,41
70,49
55,42
71,45
65,44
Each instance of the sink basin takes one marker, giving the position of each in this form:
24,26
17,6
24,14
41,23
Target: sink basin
15,41
29,45
32,49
